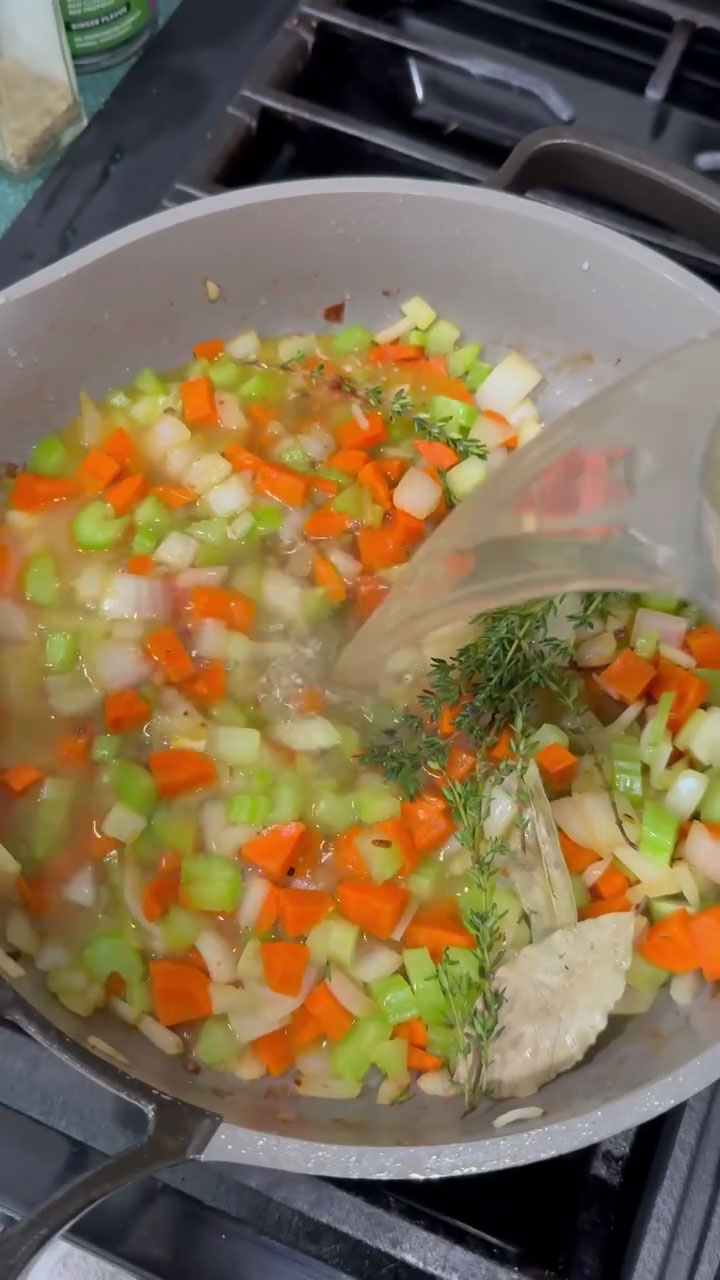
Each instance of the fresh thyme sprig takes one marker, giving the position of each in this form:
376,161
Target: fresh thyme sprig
439,431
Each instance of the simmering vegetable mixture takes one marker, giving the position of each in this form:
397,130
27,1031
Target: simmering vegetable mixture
200,835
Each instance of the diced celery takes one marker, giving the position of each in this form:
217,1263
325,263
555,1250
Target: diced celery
580,891
152,513
268,519
422,973
420,312
122,823
147,409
175,829
134,786
465,477
376,803
119,399
349,743
333,811
250,965
424,880
210,883
144,542
455,414
178,928
259,386
710,803
712,678
465,965
148,382
627,769
96,528
49,457
287,798
333,939
391,1057
216,1043
112,953
663,604
196,368
105,747
353,338
233,744
61,651
382,858
659,908
41,584
351,1056
340,477
658,724
642,976
441,338
442,1041
51,816
293,455
400,431
548,734
646,644
350,502
459,362
477,373
659,832
417,338
137,995
254,810
224,373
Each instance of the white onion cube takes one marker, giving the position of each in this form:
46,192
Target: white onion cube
229,497
510,382
177,550
165,434
418,493
180,459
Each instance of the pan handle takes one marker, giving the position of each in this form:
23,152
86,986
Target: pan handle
591,164
175,1131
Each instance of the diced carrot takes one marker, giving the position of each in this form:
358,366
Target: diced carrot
170,860
325,575
121,447
393,469
429,820
207,685
704,645
604,907
352,435
705,930
446,720
115,985
333,1018
96,471
99,845
180,993
35,895
368,592
577,857
690,691
304,1028
141,566
194,959
670,944
611,884
509,440
324,484
159,893
165,648
347,859
126,710
406,529
275,1051
350,460
308,856
209,350
325,523
394,353
233,608
375,908
461,762
372,477
242,459
713,828
502,747
399,833
274,849
8,571
20,777
299,910
438,454
198,402
284,965
627,677
557,765
268,911
73,749
414,1031
438,927
421,1060
32,493
174,495
282,483
379,549
124,494
261,415
179,769
311,700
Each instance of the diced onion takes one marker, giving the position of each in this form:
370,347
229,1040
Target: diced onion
399,931
162,1037
525,414
617,727
10,967
314,1061
212,576
124,1011
255,891
508,384
165,434
687,883
129,595
290,530
122,823
702,851
396,330
597,651
327,1087
72,694
90,584
281,593
349,995
218,955
248,1066
392,1089
593,873
226,998
52,955
14,622
230,496
81,888
177,551
21,934
219,836
518,1113
9,867
670,627
244,346
488,431
438,1084
229,412
306,733
679,656
347,566
375,961
209,638
120,665
501,812
686,792
686,987
180,459
417,493
318,444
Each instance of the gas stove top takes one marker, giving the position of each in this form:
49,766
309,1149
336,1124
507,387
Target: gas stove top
228,96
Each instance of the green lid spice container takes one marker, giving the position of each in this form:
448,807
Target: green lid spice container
103,32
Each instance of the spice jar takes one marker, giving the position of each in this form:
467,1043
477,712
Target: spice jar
40,111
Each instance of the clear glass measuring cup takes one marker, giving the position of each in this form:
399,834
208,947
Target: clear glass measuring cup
623,493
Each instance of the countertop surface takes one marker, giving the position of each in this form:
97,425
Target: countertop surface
95,88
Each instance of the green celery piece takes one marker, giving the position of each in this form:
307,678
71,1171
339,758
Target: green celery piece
134,786
663,604
146,848
659,721
175,829
712,678
196,368
61,651
41,584
417,337
376,803
400,431
224,373
51,816
95,528
213,530
152,513
477,374
287,798
350,502
332,473
457,416
268,519
353,338
417,310
209,553
105,747
144,542
424,880
293,455
351,1056
349,743
178,928
149,383
260,386
441,338
627,769
333,811
255,810
216,1042
396,998
112,953
228,712
548,734
391,1057
382,858
710,803
422,973
210,883
137,995
335,940
660,908
49,457
459,362
580,891
442,1041
659,832
119,399
646,644
643,976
